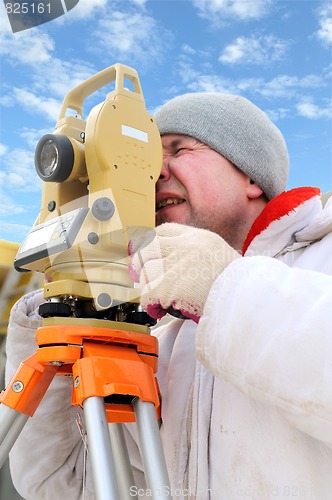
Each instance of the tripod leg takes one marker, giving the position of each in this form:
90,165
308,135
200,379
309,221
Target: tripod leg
151,450
103,468
12,422
124,472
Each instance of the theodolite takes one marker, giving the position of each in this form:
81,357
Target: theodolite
99,178
99,190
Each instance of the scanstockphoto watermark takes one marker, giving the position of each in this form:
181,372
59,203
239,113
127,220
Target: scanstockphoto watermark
169,491
281,491
23,15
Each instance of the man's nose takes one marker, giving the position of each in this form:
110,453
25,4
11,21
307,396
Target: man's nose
165,172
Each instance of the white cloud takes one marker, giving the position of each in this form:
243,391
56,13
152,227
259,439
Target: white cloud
324,33
288,86
6,100
255,50
60,76
53,78
282,86
27,47
34,48
141,3
133,35
212,83
277,114
86,9
19,230
308,109
187,49
9,207
18,171
3,149
31,136
217,11
17,175
47,77
4,21
48,107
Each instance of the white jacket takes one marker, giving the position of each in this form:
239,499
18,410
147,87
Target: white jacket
246,395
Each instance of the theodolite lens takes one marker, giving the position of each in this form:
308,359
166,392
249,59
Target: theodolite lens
54,158
48,158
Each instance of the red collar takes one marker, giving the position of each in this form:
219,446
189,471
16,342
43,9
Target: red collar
277,208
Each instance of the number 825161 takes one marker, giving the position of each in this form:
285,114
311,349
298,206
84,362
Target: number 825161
28,8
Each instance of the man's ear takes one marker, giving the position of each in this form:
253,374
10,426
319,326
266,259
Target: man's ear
253,190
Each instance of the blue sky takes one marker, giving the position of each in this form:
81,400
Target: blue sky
276,53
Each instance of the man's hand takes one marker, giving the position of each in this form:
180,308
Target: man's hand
176,266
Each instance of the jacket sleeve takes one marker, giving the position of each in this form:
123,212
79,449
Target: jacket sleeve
267,329
48,458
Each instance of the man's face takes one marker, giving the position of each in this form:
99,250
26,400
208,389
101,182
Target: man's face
199,187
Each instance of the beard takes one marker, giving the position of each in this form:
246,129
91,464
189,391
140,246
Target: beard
231,226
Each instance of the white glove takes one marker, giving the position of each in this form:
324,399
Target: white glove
176,266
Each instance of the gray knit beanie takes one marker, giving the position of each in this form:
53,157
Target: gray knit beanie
235,128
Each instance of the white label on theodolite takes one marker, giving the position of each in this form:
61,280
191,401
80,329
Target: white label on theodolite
134,133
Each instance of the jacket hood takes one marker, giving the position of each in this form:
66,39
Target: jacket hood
293,216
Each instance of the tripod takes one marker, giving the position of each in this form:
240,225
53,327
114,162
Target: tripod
113,365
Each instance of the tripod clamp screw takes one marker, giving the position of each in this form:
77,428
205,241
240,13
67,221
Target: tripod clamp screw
17,386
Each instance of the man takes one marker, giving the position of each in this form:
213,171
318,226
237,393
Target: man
246,381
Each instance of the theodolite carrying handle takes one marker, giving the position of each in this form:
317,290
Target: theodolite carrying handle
118,73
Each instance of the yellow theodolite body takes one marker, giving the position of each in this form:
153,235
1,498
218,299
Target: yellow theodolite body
98,191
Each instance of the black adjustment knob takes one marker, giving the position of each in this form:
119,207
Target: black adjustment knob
140,318
50,309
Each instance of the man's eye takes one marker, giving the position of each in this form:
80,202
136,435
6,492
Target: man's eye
179,150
